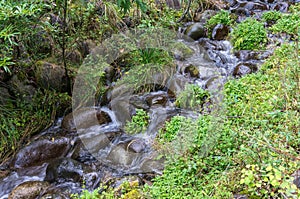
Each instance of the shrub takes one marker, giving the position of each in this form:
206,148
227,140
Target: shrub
249,35
138,123
193,97
22,119
223,17
271,16
288,24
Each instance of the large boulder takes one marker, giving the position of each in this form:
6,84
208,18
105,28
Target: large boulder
195,31
84,118
41,151
50,76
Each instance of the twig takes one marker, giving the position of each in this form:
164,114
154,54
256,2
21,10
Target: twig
185,12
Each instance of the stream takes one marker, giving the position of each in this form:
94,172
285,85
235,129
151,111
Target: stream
81,148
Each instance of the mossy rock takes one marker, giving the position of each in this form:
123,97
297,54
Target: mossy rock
50,76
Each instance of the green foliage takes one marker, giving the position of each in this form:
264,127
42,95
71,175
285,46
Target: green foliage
16,21
127,190
138,123
249,35
85,194
271,16
159,15
288,23
193,97
223,17
22,119
171,128
143,64
268,180
260,128
150,55
126,5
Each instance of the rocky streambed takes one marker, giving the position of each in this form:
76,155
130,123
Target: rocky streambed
90,145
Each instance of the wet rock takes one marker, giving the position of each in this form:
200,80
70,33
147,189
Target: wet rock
220,32
120,103
139,102
215,84
81,154
155,164
156,98
41,151
136,146
245,55
119,156
195,31
50,76
84,118
192,71
177,84
211,45
66,170
96,138
244,68
281,6
110,75
106,97
29,190
253,6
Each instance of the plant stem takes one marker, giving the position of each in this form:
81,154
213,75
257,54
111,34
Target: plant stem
65,8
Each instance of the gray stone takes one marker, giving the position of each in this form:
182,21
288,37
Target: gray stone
41,151
195,31
28,190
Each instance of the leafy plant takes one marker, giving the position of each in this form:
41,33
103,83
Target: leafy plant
270,180
222,17
171,128
143,65
193,97
138,123
16,22
271,16
23,119
126,5
288,23
249,35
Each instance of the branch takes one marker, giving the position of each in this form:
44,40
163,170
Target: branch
185,12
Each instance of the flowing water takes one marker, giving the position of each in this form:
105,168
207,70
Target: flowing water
97,153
